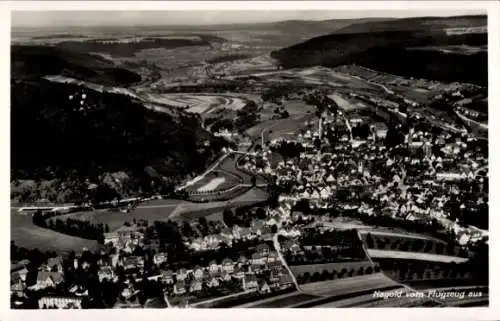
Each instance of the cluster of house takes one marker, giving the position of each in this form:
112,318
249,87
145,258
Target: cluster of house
248,272
259,229
432,178
49,276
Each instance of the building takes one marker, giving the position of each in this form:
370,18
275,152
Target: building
47,279
160,258
106,272
49,302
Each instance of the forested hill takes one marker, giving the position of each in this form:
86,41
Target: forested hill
66,138
442,49
34,62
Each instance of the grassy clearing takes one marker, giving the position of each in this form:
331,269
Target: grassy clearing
159,210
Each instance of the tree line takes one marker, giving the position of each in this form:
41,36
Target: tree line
73,227
327,274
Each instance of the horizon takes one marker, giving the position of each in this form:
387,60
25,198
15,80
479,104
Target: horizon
47,20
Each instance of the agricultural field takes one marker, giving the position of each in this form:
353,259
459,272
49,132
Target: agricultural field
287,127
281,301
348,285
25,234
298,107
198,103
387,254
343,102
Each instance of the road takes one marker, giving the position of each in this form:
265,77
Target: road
282,259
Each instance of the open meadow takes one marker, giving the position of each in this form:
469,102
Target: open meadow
25,234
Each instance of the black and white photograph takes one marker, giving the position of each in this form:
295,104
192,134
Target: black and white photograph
201,159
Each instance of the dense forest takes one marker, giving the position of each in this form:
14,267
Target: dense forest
66,137
26,64
54,136
390,47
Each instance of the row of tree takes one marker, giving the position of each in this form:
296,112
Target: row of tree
326,275
413,245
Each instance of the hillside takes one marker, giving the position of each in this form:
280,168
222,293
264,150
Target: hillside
414,24
65,137
389,46
33,62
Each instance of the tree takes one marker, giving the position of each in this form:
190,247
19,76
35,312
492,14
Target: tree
253,180
361,271
228,217
260,213
369,241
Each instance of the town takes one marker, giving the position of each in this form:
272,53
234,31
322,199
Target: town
195,171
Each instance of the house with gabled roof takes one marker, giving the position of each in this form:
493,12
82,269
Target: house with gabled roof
256,268
264,287
180,287
263,248
160,258
181,274
213,267
250,282
242,260
227,265
167,276
130,303
17,285
238,272
195,286
105,272
285,281
213,282
47,279
226,276
60,302
54,264
198,272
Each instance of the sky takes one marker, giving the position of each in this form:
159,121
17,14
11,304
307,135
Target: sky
49,19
